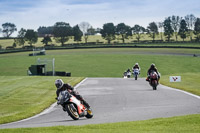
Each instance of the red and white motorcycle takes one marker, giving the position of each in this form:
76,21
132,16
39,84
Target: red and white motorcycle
153,80
74,107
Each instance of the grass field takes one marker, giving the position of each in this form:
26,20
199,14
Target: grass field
23,96
9,42
110,62
97,38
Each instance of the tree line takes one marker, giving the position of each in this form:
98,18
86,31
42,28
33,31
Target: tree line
173,25
183,27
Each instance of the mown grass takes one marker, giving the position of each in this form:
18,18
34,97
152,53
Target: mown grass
23,96
101,63
111,62
182,124
190,82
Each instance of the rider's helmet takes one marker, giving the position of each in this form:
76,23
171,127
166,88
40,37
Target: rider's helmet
59,83
136,64
152,65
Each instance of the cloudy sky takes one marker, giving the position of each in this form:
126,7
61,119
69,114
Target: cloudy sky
30,14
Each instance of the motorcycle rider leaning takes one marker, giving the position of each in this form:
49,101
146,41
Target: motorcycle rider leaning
62,87
152,68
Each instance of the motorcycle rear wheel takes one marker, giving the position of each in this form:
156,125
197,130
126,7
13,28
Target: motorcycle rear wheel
71,111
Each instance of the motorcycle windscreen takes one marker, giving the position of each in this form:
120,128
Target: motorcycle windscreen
63,96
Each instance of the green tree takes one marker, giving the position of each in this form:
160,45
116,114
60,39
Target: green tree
124,31
138,31
197,29
8,29
31,36
176,25
62,32
152,30
108,32
183,29
46,40
91,31
190,21
77,33
43,31
168,30
20,40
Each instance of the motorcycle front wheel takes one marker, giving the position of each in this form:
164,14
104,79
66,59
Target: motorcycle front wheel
135,77
154,85
72,111
154,88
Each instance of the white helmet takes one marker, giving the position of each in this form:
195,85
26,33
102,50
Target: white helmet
59,83
136,64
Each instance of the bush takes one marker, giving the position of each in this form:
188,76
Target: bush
28,47
9,47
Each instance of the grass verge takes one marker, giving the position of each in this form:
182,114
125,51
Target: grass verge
182,124
190,82
23,96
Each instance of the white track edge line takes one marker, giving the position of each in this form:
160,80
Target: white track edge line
188,93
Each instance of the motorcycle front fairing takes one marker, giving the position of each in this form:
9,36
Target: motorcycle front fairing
153,75
80,106
66,98
63,97
136,71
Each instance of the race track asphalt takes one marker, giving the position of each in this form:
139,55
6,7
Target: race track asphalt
118,100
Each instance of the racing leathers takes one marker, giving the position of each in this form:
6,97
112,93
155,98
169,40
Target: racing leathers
72,91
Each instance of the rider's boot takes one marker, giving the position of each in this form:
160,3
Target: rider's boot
158,80
86,104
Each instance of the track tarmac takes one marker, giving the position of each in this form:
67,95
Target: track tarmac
118,100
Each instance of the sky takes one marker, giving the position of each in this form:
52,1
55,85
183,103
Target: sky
31,14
